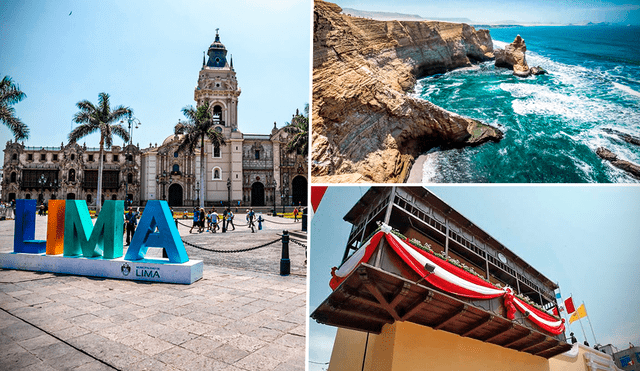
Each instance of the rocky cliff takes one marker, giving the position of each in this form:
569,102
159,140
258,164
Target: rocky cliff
365,125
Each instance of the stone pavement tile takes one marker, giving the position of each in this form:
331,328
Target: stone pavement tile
38,366
222,335
283,326
203,363
21,331
176,356
19,292
278,352
300,330
152,346
66,362
177,310
93,366
200,328
149,327
37,342
248,343
178,337
70,332
240,327
54,350
227,353
144,312
292,341
91,322
149,364
265,334
201,345
290,366
18,361
232,368
10,347
257,362
114,332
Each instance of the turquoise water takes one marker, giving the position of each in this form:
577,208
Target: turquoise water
552,123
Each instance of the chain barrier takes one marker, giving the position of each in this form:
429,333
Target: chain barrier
232,251
297,243
271,221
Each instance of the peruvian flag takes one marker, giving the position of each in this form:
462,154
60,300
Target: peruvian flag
568,304
555,311
317,192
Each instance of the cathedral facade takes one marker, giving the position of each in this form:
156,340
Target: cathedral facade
249,170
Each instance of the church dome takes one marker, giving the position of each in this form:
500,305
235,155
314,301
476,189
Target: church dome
172,138
217,53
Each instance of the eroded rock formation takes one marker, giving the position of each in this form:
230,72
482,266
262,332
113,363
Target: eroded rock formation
365,126
627,166
513,57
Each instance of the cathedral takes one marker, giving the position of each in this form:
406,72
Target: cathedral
249,170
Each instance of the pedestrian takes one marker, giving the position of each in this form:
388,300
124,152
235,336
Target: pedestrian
201,220
131,223
295,214
196,214
214,220
250,218
230,217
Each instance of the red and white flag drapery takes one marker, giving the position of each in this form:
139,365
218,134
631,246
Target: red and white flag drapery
447,277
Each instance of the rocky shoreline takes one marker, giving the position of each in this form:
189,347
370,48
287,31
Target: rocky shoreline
366,128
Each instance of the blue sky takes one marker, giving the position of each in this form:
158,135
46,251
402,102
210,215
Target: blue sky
584,237
147,55
526,11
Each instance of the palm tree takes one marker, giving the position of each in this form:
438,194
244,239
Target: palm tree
100,118
299,127
200,124
10,94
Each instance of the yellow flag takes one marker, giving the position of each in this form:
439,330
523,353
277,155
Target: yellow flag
581,312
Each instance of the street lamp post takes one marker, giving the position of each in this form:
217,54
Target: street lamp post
285,191
229,192
275,185
197,193
41,182
162,179
133,123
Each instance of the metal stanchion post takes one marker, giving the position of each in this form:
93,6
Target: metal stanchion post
285,264
304,220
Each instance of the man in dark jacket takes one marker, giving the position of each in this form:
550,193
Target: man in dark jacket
131,223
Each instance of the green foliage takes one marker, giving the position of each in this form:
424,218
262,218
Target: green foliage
299,128
10,94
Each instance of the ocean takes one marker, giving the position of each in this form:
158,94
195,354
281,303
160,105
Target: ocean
552,123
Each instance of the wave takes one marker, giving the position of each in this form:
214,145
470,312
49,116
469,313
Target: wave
626,89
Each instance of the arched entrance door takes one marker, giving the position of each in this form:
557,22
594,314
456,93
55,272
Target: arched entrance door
299,193
257,194
71,196
175,195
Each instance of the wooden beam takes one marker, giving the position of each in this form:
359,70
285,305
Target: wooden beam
527,349
459,312
401,294
339,308
483,322
352,294
417,306
500,333
373,289
552,345
508,345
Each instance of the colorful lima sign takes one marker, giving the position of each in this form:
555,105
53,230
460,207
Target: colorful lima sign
74,245
70,231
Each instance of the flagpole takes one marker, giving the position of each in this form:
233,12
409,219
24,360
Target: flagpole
583,333
594,334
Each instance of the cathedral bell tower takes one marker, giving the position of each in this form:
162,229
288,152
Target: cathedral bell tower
217,85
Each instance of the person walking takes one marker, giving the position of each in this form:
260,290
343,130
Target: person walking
230,219
250,219
201,220
131,223
214,220
196,215
295,214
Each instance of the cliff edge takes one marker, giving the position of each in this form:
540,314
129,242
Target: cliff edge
366,128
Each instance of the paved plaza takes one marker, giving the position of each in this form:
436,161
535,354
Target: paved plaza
241,316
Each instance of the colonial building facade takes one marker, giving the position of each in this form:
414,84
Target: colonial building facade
250,169
70,172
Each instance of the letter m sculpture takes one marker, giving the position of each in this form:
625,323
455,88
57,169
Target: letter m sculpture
82,238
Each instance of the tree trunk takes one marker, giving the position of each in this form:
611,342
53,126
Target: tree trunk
99,196
202,172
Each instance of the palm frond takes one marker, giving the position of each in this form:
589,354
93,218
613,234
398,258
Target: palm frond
120,131
82,131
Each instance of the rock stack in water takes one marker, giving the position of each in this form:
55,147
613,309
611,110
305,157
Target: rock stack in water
365,125
513,57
